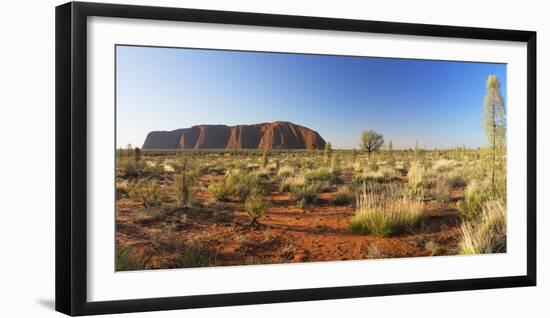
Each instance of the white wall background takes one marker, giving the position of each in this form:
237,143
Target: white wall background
27,158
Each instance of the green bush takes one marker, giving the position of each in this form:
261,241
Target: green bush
306,193
487,233
387,222
319,174
219,190
256,205
130,168
149,193
475,197
244,184
288,183
385,213
154,170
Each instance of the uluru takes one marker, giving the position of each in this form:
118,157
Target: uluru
264,136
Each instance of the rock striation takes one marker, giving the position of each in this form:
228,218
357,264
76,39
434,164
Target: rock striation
264,136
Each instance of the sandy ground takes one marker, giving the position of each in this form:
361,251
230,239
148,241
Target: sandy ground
286,233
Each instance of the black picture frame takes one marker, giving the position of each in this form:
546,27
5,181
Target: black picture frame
71,157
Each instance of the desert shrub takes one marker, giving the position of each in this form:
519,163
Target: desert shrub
194,255
372,166
335,177
154,169
417,174
149,193
129,167
389,174
256,205
306,193
455,180
166,239
414,191
319,174
385,213
216,170
475,196
369,176
441,192
289,182
286,172
203,169
183,183
487,233
219,190
443,165
121,191
245,184
402,167
344,196
127,260
240,183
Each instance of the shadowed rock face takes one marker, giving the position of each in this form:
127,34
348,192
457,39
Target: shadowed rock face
276,135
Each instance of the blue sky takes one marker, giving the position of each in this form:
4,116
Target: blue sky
438,103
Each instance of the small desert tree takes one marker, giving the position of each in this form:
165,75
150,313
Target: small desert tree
494,121
371,141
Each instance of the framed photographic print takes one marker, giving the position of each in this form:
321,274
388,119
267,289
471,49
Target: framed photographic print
210,158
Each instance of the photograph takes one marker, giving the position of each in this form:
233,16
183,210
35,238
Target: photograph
243,158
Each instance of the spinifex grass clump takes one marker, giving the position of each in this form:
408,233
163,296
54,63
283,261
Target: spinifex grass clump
286,172
305,194
487,233
441,192
256,205
288,183
319,174
385,213
149,193
239,183
130,168
476,195
344,196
